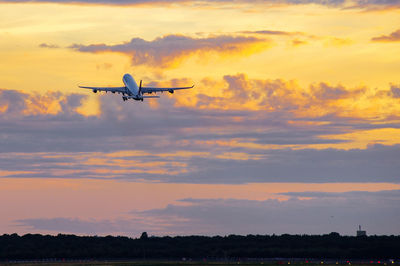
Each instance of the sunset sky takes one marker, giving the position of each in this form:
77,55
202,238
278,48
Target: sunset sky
293,125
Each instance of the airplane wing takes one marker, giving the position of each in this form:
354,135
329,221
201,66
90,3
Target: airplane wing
112,89
171,90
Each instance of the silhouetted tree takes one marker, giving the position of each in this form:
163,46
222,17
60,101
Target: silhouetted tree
144,236
34,246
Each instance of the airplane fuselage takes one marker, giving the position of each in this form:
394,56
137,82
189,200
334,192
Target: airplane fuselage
132,87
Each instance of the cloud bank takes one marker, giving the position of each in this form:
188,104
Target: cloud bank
377,212
365,4
256,131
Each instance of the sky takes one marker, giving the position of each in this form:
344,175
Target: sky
293,125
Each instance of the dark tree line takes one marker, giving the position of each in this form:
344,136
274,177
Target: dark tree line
35,246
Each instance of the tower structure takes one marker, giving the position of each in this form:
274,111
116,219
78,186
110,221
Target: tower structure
361,232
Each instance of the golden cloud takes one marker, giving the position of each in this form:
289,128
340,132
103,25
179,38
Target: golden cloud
239,92
171,50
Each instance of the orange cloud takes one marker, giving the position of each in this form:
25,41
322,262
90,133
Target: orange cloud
50,103
234,92
238,92
171,50
297,42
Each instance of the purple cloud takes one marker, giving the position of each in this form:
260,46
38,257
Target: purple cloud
393,37
361,4
45,45
171,49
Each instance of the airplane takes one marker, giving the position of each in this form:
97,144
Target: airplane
132,90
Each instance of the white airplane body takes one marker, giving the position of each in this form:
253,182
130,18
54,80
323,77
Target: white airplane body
133,91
